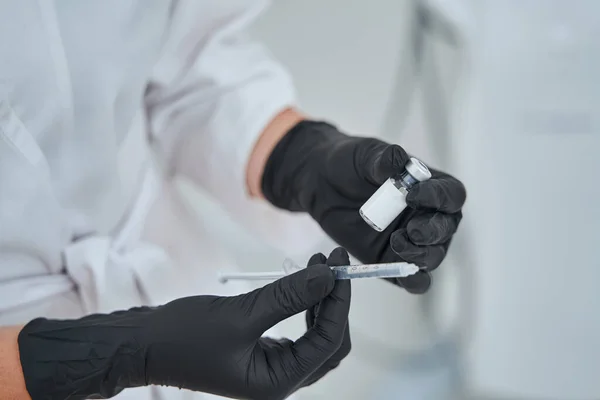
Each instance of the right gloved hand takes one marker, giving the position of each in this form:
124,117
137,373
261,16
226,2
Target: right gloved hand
209,344
317,169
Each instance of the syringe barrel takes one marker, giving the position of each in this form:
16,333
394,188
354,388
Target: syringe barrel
374,271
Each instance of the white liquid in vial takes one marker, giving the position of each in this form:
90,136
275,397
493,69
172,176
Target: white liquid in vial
384,206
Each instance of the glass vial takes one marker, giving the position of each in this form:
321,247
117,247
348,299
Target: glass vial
390,199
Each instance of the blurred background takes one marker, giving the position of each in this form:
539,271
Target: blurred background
504,95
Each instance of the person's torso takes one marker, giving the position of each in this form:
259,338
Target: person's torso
72,81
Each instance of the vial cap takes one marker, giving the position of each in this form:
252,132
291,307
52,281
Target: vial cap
418,170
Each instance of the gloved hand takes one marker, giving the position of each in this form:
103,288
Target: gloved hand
204,343
319,170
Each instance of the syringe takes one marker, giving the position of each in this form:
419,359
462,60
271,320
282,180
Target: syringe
386,270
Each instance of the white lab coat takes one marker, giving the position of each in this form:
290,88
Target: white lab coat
511,96
89,93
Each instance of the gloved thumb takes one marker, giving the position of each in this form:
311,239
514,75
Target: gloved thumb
290,295
383,161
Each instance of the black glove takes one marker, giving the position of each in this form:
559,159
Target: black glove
204,343
319,170
342,289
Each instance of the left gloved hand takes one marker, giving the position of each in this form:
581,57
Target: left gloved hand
319,170
209,344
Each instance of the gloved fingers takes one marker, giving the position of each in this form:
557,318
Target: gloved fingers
446,194
418,283
432,228
323,340
429,257
342,291
342,288
381,161
288,296
344,348
317,259
328,332
267,342
339,256
333,362
318,374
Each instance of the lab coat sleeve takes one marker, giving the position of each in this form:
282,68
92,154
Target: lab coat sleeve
212,93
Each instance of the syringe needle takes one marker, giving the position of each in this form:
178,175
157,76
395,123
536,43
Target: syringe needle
252,276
